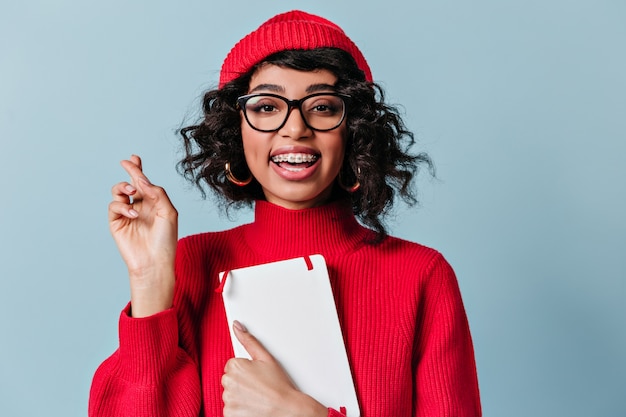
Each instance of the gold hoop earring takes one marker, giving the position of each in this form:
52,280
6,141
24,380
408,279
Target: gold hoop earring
230,177
354,187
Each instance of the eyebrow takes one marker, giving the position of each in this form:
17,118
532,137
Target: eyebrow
313,88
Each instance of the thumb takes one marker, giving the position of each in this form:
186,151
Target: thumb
251,344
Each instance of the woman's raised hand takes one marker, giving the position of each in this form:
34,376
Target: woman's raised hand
144,224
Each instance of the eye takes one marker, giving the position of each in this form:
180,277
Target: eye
264,108
324,105
263,105
322,108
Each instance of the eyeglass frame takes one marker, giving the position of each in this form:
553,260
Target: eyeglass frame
291,104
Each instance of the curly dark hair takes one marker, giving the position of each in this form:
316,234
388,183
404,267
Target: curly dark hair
377,145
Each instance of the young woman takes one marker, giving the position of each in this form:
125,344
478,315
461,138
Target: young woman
298,129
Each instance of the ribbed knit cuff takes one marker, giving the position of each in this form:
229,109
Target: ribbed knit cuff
148,346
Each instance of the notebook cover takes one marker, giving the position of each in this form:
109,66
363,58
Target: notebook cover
289,307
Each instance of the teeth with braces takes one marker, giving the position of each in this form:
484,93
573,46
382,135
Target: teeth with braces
294,158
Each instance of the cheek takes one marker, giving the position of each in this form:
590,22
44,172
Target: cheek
247,137
254,146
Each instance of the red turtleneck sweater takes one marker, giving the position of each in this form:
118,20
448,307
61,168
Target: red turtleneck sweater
399,305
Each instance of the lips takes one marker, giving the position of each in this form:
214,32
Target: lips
295,161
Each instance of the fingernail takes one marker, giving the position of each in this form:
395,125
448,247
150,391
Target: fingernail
130,188
239,326
133,213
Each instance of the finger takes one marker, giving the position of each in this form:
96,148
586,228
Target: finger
139,179
136,160
134,170
146,190
234,364
119,209
122,191
254,348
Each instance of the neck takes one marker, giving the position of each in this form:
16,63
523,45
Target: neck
330,230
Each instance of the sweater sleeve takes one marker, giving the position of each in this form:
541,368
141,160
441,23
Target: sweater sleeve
446,379
149,375
443,370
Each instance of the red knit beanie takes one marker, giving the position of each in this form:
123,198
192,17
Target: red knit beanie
290,30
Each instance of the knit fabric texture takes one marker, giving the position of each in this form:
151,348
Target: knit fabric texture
291,30
398,304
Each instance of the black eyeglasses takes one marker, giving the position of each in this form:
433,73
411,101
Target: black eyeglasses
269,112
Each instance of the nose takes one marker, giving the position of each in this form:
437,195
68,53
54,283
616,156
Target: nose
295,127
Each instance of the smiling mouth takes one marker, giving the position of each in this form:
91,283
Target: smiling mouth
295,161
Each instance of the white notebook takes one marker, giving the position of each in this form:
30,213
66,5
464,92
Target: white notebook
289,306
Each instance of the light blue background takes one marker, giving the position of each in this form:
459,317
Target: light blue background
522,104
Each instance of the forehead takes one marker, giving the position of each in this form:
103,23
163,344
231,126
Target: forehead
289,81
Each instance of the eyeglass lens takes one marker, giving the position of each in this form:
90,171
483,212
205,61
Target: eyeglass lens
269,112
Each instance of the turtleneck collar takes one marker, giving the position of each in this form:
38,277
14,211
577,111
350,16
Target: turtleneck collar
330,230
